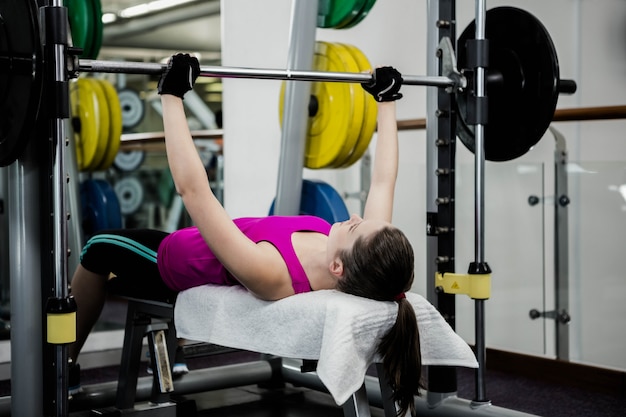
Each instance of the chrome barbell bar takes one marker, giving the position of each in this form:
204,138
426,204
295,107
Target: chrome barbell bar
149,68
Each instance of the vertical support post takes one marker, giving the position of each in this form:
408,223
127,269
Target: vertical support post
24,201
60,308
561,246
479,50
295,117
440,189
5,284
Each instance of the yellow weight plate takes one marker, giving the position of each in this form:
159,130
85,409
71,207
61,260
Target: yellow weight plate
357,94
104,123
329,125
115,127
84,104
371,111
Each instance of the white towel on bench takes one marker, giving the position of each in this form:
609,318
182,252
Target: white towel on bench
339,330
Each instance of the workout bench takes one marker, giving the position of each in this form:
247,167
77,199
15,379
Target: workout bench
155,320
333,334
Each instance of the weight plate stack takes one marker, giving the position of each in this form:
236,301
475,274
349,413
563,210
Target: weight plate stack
130,194
132,108
96,122
114,139
368,127
342,116
100,207
357,103
85,121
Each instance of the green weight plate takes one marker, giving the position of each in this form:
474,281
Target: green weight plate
21,81
335,13
322,200
97,28
521,105
359,16
80,15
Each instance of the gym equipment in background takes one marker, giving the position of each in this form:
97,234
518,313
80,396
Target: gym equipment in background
96,123
342,117
342,14
100,206
511,76
320,199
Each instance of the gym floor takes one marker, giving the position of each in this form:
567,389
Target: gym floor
505,390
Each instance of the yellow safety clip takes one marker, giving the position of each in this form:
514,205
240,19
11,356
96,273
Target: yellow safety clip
61,320
477,286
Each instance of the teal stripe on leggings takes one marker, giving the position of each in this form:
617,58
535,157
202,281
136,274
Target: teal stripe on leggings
123,242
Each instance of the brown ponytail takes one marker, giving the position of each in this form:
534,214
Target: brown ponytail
381,267
402,361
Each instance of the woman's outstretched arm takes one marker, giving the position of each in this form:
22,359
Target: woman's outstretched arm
379,204
242,257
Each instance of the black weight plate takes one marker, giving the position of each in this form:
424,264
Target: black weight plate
522,106
20,76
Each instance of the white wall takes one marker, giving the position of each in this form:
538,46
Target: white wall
588,36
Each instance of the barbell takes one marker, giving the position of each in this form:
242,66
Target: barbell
151,68
518,81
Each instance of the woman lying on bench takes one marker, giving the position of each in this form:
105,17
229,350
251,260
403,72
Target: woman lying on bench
273,257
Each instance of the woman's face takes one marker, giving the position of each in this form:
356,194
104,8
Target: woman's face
343,234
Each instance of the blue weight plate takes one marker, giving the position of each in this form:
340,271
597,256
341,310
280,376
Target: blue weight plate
100,207
322,200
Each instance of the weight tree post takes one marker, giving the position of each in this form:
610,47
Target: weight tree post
297,96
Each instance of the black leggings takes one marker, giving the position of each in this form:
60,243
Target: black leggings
130,254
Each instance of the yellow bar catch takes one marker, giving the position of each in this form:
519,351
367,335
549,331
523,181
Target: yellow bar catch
61,320
477,286
61,328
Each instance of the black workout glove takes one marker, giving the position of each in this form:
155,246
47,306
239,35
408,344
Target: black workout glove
385,85
180,75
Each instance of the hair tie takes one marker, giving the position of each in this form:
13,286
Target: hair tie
399,297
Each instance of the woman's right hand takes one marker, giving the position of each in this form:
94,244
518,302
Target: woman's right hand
179,76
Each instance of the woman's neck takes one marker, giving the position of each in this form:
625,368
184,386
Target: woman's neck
311,251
